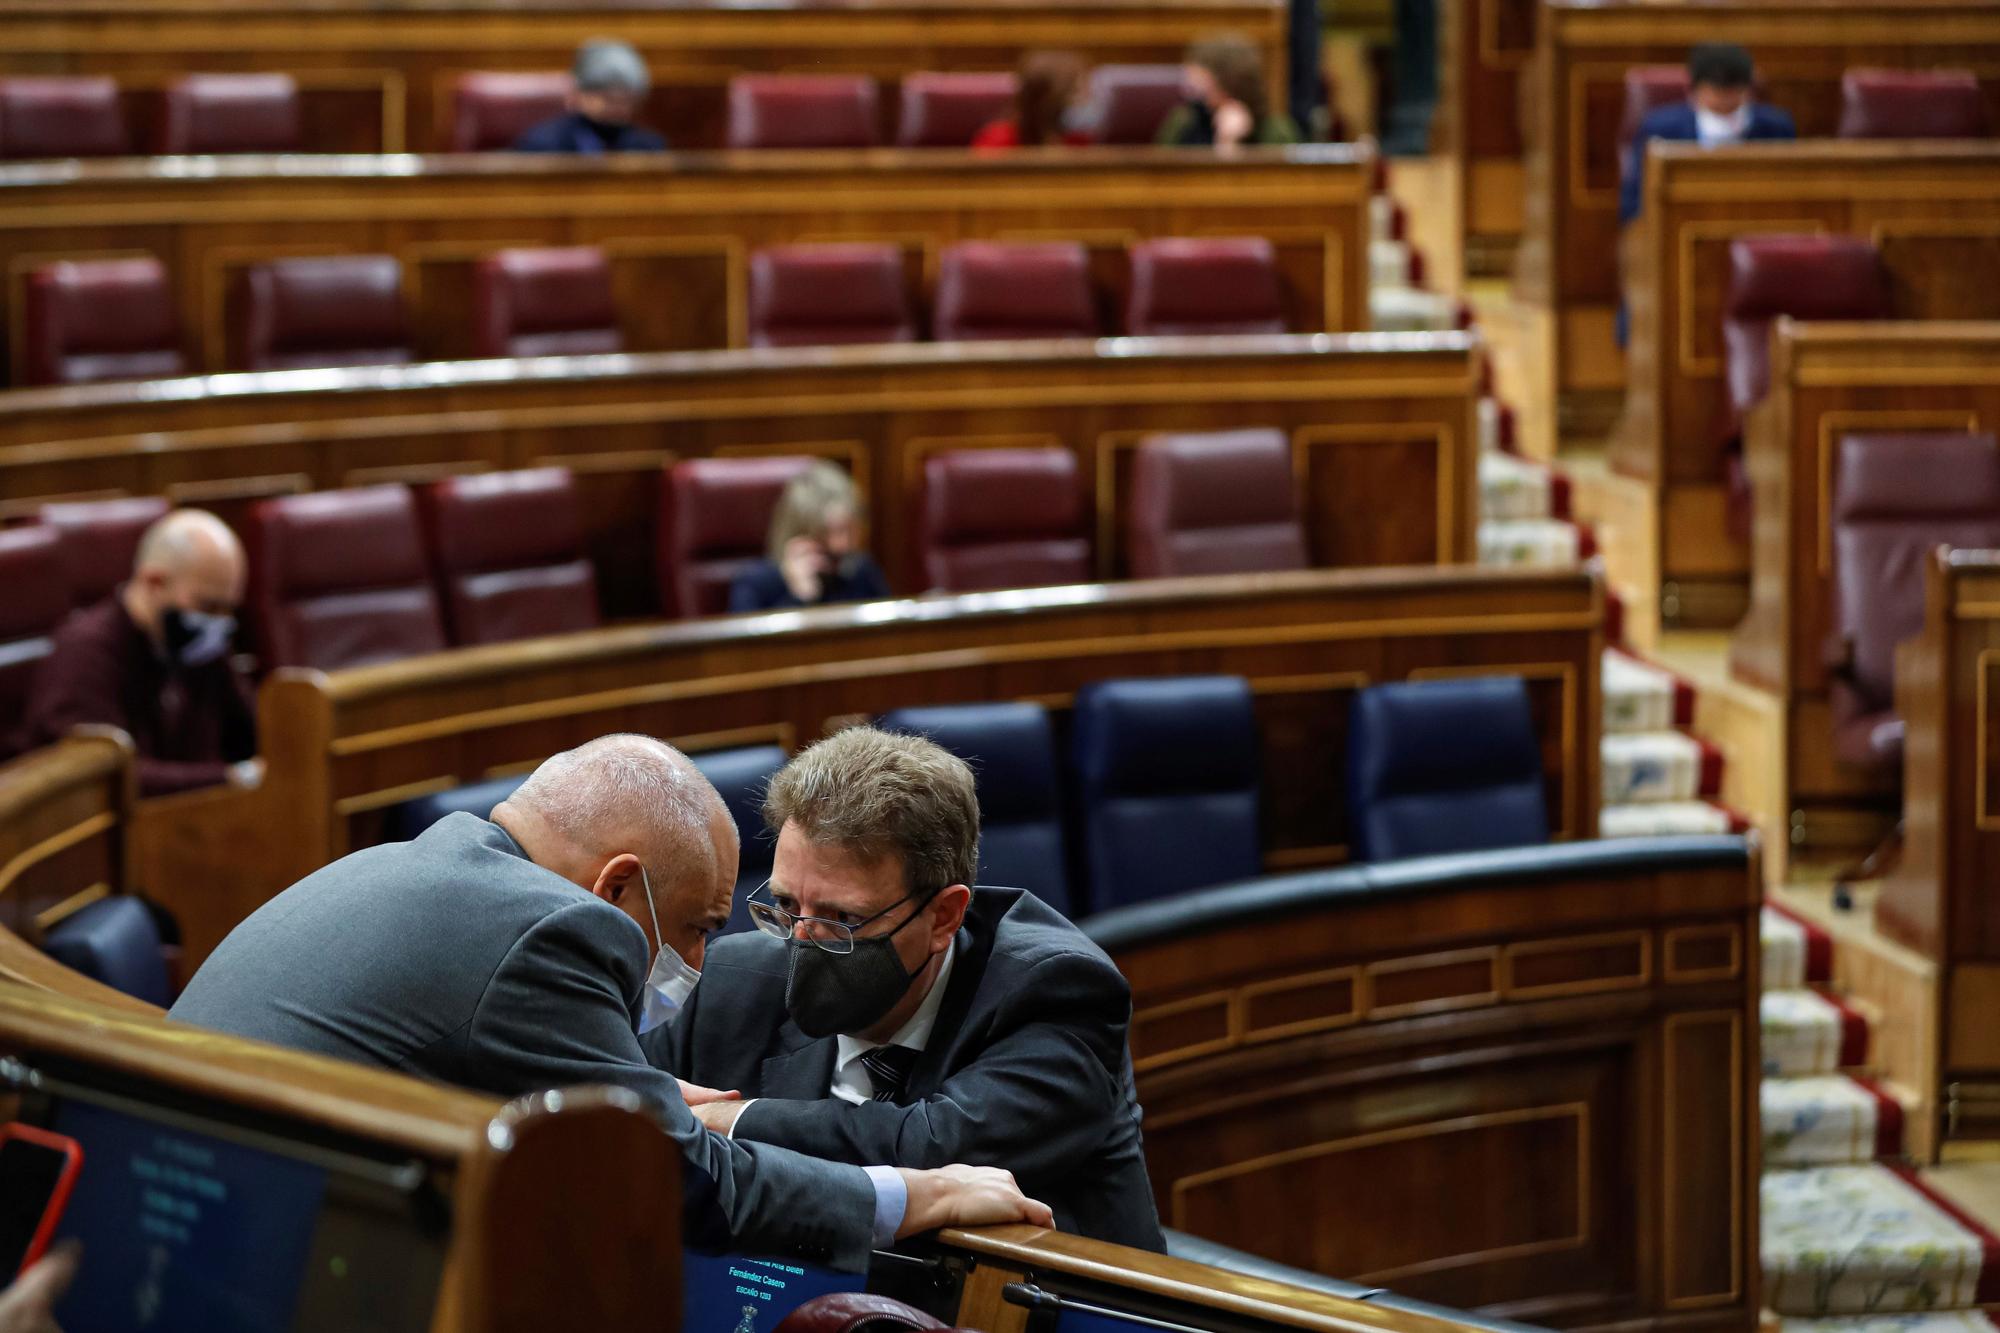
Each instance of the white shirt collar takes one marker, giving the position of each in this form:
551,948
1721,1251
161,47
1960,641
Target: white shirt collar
916,1033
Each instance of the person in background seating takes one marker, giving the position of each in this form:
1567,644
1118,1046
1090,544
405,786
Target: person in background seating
611,87
1049,105
154,660
1226,104
886,1011
519,953
1721,109
815,549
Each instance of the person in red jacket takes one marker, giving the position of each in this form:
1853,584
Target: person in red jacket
154,660
1046,105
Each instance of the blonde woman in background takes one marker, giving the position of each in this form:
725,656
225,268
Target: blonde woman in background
814,551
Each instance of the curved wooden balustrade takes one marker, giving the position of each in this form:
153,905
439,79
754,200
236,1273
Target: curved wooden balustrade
681,223
342,748
1381,427
65,823
376,75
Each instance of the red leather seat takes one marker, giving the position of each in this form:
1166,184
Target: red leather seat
949,110
715,514
858,1312
31,570
806,295
88,320
232,113
1805,277
61,116
338,579
1647,89
804,111
553,302
1128,103
1205,287
995,289
100,539
1912,104
341,310
1003,518
1221,503
509,549
490,109
1895,499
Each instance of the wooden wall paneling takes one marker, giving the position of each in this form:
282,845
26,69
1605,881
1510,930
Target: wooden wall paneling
1929,209
1829,380
1487,47
680,223
341,748
1385,433
1569,261
1344,1065
408,56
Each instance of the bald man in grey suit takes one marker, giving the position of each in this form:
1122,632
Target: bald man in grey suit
514,956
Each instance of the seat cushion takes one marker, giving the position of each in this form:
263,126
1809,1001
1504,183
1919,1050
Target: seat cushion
1011,749
1803,276
32,572
84,321
1003,518
995,290
340,579
509,552
232,113
948,110
490,109
1220,503
1648,88
545,302
1167,775
803,111
1128,103
715,515
339,310
100,539
812,295
1205,287
61,116
114,941
1444,766
1912,104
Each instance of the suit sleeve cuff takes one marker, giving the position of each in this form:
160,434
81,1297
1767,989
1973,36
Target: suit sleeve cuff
740,1114
892,1200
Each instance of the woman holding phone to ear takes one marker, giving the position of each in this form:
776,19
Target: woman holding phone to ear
815,554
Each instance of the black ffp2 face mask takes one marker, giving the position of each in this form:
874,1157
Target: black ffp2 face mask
829,993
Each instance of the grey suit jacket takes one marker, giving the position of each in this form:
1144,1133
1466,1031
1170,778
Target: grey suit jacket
1026,1068
456,958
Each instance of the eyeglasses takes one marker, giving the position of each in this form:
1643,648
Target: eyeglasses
831,936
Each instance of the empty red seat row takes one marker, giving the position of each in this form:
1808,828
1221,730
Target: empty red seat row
81,116
1127,104
95,320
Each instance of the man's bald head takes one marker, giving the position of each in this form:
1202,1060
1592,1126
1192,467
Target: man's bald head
187,561
596,814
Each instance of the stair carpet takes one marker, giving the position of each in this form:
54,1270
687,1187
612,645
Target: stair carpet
1852,1240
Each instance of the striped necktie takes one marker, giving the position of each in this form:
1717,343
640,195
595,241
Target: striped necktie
888,1070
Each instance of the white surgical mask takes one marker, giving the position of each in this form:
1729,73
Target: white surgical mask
671,981
1714,131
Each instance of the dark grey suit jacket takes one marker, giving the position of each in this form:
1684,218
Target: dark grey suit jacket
456,958
1026,1068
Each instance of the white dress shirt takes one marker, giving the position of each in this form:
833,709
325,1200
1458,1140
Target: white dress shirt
851,1082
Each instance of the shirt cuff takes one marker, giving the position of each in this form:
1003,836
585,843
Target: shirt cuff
892,1200
738,1119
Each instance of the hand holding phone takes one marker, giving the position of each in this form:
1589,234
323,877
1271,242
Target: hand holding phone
37,1171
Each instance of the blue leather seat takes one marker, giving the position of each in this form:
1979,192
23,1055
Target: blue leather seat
742,775
1012,750
407,820
1444,766
114,941
1167,773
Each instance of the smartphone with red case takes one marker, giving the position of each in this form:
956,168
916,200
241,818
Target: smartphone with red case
37,1170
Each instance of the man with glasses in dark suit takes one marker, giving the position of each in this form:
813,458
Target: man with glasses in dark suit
885,1013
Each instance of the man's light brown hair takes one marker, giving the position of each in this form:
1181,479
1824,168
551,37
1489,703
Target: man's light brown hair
878,794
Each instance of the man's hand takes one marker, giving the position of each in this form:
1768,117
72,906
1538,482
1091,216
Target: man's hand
697,1096
28,1306
720,1116
967,1196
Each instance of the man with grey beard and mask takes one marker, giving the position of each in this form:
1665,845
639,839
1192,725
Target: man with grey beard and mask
884,1012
